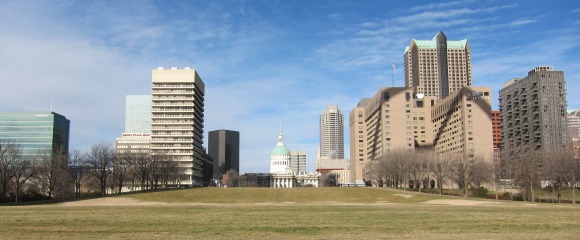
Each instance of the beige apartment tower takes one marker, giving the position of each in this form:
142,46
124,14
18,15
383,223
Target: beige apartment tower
462,123
392,119
395,119
177,121
437,67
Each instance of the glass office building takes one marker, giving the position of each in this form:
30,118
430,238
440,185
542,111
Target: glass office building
138,114
35,132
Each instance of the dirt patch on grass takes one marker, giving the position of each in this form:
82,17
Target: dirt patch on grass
111,201
458,202
404,195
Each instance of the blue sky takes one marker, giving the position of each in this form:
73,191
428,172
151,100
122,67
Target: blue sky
260,60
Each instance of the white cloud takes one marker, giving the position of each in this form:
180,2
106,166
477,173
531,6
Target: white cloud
441,5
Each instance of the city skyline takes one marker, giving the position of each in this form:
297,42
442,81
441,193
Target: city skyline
87,56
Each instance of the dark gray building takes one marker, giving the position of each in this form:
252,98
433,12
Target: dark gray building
35,132
224,148
533,111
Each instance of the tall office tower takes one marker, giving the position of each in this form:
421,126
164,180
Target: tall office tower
496,128
331,133
138,114
298,162
574,125
35,132
224,148
437,67
533,111
137,135
177,121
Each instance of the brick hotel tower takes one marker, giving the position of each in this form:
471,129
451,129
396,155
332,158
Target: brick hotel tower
437,67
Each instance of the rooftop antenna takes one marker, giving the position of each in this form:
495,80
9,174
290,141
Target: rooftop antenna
51,104
280,125
393,75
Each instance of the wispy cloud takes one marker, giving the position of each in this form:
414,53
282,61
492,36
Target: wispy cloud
441,5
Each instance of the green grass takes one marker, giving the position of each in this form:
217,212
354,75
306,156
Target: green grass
307,213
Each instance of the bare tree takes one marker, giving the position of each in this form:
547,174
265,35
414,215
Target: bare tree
331,180
120,171
78,170
232,178
142,168
439,168
480,172
9,154
52,171
100,161
558,169
168,171
155,171
467,170
525,167
23,169
496,169
377,171
418,168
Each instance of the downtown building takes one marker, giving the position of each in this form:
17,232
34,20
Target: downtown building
224,148
533,112
392,119
35,133
574,125
177,113
331,133
395,119
437,67
283,172
137,135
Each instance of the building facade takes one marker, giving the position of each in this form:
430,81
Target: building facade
395,119
496,128
533,111
298,162
36,133
137,135
331,133
437,67
177,114
357,143
138,114
280,157
224,148
462,123
574,125
283,174
392,119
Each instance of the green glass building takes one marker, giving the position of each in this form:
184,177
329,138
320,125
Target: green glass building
35,132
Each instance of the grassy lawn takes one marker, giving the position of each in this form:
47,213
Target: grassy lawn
307,213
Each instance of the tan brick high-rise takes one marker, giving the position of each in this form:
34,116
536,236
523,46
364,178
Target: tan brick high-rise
437,67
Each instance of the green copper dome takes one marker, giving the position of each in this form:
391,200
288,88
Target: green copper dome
280,150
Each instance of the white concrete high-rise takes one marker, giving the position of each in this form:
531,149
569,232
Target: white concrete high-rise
331,134
177,121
